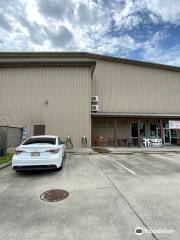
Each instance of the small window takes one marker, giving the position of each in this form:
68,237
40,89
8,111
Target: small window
39,140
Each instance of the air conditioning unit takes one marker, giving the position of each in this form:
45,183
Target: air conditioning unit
94,108
94,99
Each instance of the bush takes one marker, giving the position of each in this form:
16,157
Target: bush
6,158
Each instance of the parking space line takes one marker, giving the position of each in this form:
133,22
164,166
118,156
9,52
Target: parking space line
66,162
125,199
65,165
117,162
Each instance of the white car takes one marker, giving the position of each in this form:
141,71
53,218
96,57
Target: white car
39,152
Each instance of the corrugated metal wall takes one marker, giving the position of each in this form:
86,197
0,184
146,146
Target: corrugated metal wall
67,89
105,128
121,88
123,129
129,88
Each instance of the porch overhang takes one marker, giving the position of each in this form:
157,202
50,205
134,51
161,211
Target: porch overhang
138,115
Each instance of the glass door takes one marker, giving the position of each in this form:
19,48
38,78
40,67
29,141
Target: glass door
134,132
173,136
167,136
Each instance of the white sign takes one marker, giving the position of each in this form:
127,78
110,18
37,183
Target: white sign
174,124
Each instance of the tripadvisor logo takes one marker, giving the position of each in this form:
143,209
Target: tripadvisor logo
138,231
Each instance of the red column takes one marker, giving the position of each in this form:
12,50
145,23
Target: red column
139,134
92,137
115,132
161,131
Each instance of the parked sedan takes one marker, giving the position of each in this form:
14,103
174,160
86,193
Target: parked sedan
39,152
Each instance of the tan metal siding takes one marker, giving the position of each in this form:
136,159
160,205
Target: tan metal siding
67,89
104,132
129,88
105,128
123,129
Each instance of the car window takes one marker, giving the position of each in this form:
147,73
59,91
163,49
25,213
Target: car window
40,140
60,141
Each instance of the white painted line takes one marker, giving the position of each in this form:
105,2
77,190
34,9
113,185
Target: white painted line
67,159
66,163
121,165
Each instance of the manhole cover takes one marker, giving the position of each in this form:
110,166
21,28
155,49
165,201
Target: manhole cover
54,195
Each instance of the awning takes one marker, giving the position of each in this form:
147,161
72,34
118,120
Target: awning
143,115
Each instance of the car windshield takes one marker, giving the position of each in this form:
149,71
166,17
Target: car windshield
40,140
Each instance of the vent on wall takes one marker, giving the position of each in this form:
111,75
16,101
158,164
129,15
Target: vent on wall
94,104
94,100
94,108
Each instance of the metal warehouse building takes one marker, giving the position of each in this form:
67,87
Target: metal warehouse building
51,93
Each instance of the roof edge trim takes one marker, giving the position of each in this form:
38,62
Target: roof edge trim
7,55
122,114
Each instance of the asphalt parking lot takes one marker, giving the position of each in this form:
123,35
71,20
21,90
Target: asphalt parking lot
110,196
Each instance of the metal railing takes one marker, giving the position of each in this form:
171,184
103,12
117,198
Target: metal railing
10,137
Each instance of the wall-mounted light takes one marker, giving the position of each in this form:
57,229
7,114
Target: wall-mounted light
46,102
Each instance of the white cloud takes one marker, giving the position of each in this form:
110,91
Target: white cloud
100,26
171,57
169,10
59,37
123,13
115,44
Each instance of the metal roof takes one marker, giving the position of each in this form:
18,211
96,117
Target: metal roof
31,63
7,55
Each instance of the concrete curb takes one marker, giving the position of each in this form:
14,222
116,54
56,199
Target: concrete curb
148,152
4,165
123,152
82,153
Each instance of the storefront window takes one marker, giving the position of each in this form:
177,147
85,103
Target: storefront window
153,130
165,125
169,135
142,129
173,136
134,130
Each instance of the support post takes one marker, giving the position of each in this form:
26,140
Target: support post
92,137
115,132
139,134
161,131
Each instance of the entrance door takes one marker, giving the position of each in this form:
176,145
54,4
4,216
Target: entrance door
39,130
167,136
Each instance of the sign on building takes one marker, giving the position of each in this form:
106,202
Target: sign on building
174,124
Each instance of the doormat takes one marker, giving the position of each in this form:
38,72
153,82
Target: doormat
101,150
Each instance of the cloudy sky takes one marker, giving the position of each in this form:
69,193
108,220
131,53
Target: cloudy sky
147,30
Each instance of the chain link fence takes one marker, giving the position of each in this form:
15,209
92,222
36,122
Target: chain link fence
10,137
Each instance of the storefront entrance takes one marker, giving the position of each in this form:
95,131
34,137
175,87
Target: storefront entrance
131,132
169,135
